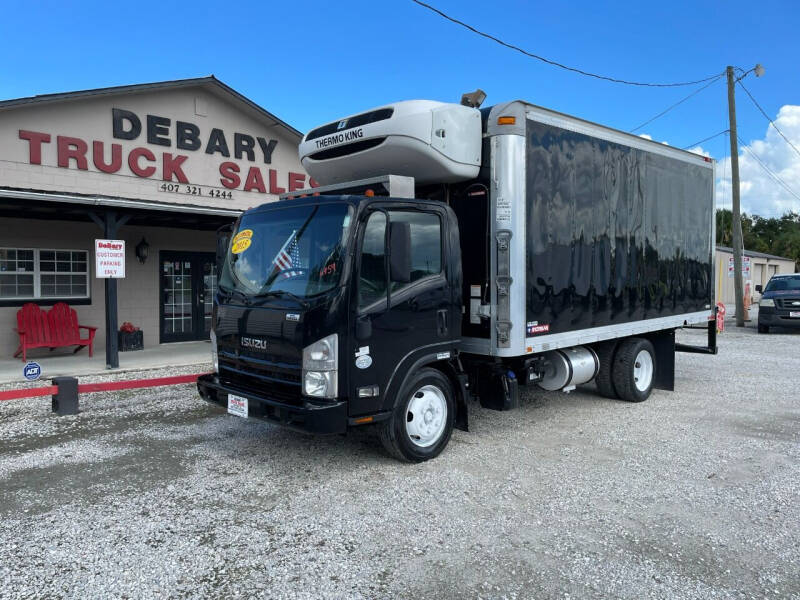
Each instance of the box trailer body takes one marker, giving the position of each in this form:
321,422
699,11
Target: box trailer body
563,252
608,235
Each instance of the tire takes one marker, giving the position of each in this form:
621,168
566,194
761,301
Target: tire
763,328
605,356
634,369
407,435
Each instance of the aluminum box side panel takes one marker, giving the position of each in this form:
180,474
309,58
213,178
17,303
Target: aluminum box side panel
616,234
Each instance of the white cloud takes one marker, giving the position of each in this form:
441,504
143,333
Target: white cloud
647,136
699,150
760,193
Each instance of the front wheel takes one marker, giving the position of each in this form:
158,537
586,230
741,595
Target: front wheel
422,421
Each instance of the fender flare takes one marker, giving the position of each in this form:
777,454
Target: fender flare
450,367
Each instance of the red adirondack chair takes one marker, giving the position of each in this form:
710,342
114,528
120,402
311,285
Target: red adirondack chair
52,329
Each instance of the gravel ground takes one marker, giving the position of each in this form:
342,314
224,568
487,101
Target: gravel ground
154,493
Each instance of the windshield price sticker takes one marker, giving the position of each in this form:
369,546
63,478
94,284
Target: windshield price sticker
194,190
242,241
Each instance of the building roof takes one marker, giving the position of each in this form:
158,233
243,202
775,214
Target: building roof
753,254
210,83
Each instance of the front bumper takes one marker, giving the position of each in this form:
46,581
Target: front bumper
775,317
309,417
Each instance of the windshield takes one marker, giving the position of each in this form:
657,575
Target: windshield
297,250
780,284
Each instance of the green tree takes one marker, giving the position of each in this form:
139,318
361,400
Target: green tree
779,236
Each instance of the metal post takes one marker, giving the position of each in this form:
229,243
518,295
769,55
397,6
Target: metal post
112,349
736,242
65,401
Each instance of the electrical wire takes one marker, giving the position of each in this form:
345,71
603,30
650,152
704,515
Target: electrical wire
554,63
766,116
711,137
767,169
678,103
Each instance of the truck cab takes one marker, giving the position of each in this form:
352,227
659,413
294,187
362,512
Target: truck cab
779,305
329,308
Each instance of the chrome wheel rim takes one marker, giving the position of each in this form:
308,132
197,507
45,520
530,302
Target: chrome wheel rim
643,370
426,416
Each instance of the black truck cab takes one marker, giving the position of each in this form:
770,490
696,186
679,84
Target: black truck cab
338,311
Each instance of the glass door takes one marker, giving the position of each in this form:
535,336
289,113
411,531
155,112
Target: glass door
188,283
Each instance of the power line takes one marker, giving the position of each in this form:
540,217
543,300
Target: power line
679,102
552,62
766,116
768,170
711,137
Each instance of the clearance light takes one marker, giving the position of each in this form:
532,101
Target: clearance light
369,193
506,120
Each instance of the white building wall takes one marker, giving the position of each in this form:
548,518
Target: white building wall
761,269
90,119
138,293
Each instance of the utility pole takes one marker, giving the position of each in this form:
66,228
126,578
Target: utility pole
736,241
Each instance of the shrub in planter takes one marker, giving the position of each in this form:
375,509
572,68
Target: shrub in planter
130,337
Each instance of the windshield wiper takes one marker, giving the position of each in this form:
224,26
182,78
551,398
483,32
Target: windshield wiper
231,292
279,293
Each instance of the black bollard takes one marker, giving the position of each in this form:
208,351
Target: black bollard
65,402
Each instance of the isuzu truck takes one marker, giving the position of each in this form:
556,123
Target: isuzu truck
453,254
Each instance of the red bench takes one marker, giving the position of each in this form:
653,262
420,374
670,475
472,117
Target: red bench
55,328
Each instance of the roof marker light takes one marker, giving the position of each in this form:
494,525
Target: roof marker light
506,120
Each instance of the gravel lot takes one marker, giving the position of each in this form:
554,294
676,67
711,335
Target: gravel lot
154,493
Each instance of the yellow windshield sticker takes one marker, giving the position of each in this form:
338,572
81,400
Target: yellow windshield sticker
242,241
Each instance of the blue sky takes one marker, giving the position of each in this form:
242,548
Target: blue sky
309,62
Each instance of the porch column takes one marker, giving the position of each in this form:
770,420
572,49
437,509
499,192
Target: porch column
110,224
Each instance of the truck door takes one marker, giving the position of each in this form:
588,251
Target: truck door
395,321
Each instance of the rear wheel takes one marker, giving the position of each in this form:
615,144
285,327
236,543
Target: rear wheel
763,328
422,421
634,369
603,380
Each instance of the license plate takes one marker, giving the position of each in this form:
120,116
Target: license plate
795,314
237,405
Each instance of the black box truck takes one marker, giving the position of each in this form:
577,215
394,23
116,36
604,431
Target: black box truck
452,254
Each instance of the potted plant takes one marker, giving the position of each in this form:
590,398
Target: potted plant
130,337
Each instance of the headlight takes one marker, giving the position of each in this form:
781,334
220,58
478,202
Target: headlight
214,354
320,365
766,302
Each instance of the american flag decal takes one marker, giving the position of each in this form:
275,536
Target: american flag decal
288,258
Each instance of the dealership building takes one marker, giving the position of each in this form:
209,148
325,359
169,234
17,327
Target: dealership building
160,166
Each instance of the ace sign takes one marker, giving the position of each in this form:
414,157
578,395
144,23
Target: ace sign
109,259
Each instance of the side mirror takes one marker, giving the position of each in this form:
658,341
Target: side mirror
759,288
363,329
400,252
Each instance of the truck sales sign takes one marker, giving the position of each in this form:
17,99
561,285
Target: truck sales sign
159,145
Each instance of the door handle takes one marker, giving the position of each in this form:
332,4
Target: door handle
441,321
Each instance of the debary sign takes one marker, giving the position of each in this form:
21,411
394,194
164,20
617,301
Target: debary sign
109,259
186,138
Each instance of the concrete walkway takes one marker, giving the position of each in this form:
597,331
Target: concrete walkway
62,361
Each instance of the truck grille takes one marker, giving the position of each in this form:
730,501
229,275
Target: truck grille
787,303
286,393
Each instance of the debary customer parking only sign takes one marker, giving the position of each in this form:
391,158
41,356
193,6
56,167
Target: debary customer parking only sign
109,259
